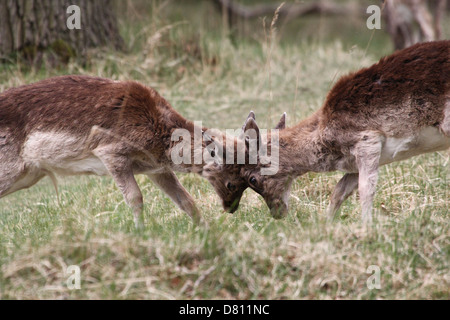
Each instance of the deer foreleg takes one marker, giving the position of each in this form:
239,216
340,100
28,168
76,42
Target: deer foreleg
169,183
343,190
367,153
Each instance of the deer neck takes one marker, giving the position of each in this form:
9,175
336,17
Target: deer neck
186,153
302,149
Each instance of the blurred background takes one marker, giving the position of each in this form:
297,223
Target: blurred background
224,55
213,56
29,27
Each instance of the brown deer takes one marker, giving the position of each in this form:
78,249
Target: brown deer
396,109
74,125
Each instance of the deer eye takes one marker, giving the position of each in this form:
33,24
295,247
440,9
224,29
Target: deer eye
231,186
253,181
213,153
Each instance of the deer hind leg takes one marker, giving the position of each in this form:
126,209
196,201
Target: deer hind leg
121,170
9,176
23,181
445,125
367,153
169,183
11,169
14,177
343,190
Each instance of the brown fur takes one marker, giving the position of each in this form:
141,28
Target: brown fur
124,124
396,103
75,104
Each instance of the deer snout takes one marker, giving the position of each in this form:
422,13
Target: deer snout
278,209
231,206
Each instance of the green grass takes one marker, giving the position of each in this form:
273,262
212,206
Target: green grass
211,76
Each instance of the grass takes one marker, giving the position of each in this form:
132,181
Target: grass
208,75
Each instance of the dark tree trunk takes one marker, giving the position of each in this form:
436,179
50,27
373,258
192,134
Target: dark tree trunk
34,28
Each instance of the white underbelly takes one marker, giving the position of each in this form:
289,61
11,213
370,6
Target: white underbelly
428,139
63,154
90,165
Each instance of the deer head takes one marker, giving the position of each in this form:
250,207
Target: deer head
231,180
274,188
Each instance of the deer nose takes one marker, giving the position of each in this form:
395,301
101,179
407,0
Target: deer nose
278,210
230,210
231,207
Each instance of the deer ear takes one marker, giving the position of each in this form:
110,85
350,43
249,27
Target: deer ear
282,123
250,124
250,131
251,115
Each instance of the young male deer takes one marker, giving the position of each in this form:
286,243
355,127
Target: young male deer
396,109
73,125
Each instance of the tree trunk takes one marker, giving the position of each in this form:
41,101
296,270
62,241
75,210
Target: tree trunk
35,29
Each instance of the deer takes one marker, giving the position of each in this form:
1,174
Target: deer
391,111
82,125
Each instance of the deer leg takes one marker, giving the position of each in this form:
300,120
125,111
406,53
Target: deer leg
8,179
368,177
367,153
132,194
14,177
169,183
343,190
120,169
445,125
9,186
